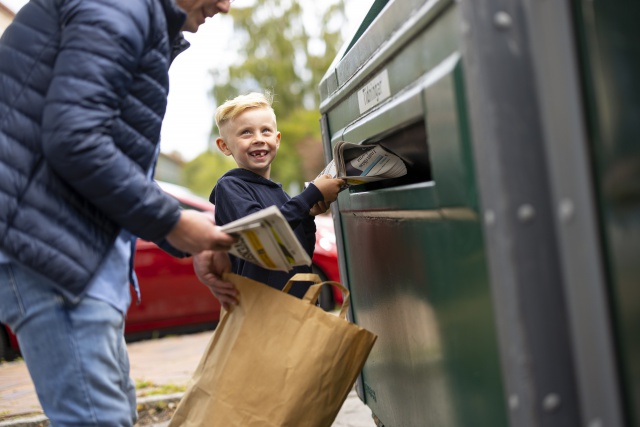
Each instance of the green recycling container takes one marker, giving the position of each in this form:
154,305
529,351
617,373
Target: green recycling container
494,272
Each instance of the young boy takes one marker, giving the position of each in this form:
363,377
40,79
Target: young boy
248,132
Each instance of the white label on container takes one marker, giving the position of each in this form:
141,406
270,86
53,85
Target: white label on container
374,92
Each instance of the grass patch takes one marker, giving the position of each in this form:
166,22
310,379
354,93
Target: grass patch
140,384
149,388
167,389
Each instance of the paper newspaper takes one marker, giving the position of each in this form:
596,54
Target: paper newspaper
358,164
266,239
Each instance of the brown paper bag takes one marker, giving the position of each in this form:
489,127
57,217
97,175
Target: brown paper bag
275,361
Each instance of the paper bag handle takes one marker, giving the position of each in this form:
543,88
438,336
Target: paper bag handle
314,291
301,277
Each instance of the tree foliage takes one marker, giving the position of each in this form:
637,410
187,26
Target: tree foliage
202,173
279,50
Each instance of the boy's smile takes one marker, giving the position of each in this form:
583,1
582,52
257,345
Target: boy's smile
252,139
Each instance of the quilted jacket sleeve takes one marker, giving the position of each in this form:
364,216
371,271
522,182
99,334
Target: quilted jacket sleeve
101,47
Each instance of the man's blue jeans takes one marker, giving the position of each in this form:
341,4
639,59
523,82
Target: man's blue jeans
76,354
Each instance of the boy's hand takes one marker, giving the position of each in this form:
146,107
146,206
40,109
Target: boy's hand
329,187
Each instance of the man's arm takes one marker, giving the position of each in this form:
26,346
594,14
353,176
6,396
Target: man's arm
98,60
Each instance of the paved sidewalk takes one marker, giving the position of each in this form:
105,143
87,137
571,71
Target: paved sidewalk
162,366
168,361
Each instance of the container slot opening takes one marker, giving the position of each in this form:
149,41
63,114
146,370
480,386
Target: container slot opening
410,144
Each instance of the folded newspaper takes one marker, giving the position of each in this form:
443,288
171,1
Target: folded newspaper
265,238
358,164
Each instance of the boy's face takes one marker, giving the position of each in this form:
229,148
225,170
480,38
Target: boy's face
252,139
199,10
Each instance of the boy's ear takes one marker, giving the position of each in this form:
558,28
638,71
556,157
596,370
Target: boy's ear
222,146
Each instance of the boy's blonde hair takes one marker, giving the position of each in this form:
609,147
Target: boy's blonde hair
232,108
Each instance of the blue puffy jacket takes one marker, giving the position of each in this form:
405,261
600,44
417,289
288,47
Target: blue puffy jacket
83,91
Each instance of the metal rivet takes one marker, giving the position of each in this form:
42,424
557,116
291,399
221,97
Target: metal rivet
489,217
526,213
513,401
566,209
551,402
502,20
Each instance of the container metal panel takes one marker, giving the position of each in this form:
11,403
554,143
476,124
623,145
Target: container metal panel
610,68
500,272
406,60
412,248
420,282
449,145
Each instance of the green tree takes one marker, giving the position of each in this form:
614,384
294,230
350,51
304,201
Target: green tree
277,52
202,173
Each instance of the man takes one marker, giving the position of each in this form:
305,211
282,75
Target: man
83,90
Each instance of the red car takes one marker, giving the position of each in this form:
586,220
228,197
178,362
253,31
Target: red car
325,261
172,297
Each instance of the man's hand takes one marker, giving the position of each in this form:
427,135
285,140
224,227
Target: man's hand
209,267
196,232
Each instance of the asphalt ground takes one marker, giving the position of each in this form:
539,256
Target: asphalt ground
160,368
